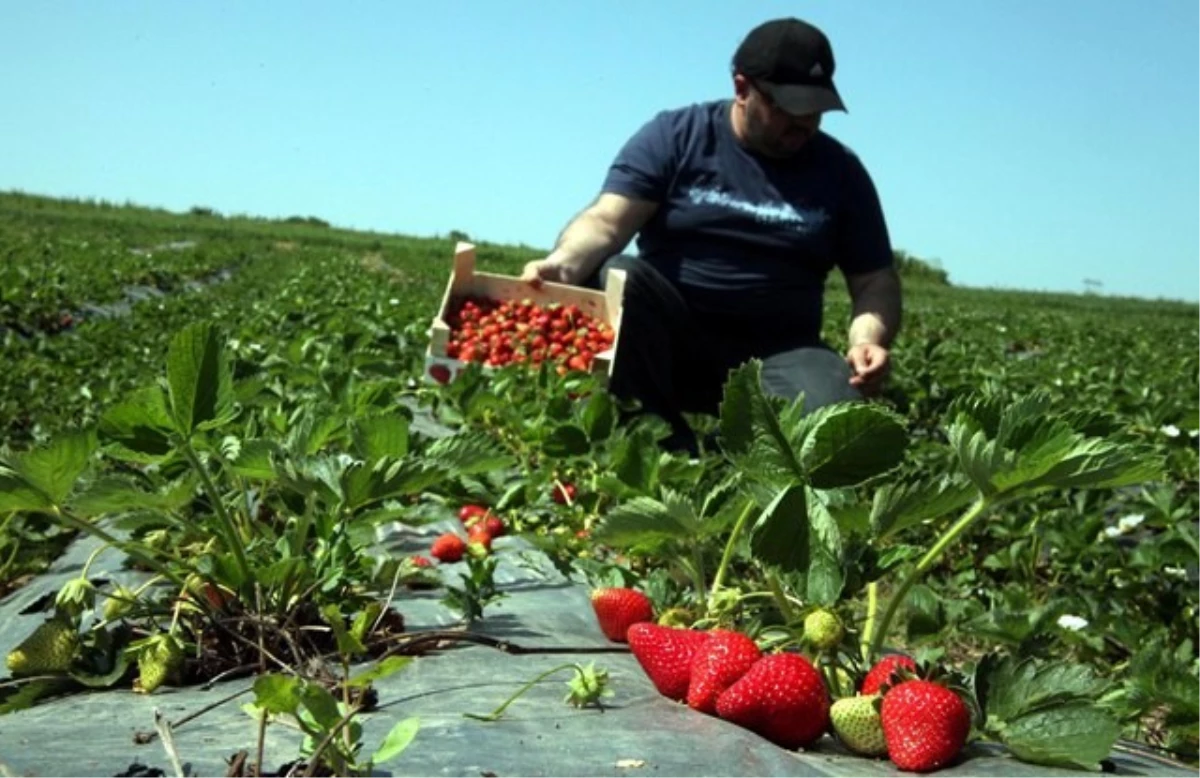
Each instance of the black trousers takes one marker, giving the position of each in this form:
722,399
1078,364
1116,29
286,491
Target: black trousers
676,360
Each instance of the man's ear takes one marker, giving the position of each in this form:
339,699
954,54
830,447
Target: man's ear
741,87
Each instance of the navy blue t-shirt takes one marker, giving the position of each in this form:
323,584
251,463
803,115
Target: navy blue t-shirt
745,236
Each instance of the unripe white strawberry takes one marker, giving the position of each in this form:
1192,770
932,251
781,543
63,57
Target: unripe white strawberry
49,649
856,722
822,629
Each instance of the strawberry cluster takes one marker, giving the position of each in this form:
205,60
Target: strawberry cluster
481,526
899,712
502,332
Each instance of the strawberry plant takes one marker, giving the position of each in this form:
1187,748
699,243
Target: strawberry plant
1020,506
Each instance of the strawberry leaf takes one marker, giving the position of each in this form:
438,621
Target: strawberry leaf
17,494
566,440
899,505
1025,447
398,738
599,416
643,522
1073,735
1046,713
636,460
277,693
469,452
199,378
847,444
752,434
368,484
826,575
138,430
253,460
54,468
381,435
781,535
118,494
377,672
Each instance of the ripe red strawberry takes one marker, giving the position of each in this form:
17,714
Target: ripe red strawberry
925,725
725,658
421,561
618,608
494,525
448,547
563,494
782,698
665,654
468,512
479,534
882,671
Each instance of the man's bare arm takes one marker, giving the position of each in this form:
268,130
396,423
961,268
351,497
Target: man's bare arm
602,229
876,307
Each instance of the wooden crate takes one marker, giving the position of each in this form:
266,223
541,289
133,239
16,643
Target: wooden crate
466,280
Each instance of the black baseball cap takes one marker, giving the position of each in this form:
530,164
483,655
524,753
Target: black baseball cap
792,62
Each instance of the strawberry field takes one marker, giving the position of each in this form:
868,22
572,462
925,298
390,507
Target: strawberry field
232,505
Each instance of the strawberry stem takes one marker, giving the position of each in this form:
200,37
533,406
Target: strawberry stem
232,538
738,528
91,558
872,613
130,548
977,509
498,711
781,601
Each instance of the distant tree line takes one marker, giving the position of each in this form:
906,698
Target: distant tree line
912,267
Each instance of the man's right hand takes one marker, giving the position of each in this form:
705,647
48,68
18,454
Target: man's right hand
601,230
540,270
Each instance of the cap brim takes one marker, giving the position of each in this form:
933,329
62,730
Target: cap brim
802,99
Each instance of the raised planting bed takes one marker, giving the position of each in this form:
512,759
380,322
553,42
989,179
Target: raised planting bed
635,732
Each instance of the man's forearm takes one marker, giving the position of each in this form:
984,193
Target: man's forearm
876,310
586,242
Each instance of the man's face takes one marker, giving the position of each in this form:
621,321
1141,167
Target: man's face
769,129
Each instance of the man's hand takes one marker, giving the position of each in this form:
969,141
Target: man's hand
871,364
601,230
539,270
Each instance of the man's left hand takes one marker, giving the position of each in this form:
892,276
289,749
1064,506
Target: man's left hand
871,364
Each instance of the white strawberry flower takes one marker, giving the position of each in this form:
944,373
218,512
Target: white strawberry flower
394,301
1124,525
1073,623
1170,430
1176,572
1130,522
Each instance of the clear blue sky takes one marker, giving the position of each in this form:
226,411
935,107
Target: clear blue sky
1021,143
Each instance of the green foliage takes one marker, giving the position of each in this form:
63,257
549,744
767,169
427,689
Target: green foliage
1031,467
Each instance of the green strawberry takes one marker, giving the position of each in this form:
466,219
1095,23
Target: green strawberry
49,649
856,722
925,725
822,629
76,596
120,602
160,659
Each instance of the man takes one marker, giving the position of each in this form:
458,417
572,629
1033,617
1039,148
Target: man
742,208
